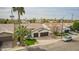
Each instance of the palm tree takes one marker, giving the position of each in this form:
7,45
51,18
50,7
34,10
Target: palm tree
20,33
20,11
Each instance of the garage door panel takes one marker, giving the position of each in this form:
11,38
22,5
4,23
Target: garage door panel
44,34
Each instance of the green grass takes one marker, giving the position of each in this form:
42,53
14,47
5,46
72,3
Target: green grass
29,42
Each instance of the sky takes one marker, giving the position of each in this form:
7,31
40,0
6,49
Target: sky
43,12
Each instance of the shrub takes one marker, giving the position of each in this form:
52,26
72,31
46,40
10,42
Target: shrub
30,41
64,34
75,25
59,34
56,33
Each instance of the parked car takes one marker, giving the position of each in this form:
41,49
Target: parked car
67,38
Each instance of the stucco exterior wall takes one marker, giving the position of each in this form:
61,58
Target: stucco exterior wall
7,44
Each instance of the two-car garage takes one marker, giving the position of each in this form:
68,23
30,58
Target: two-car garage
41,34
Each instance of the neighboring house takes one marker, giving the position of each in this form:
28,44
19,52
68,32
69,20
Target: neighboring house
9,28
58,26
6,40
54,26
66,29
6,35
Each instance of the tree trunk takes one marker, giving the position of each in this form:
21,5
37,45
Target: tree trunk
14,39
19,18
21,41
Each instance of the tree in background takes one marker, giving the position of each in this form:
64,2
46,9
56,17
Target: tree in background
44,21
32,20
75,25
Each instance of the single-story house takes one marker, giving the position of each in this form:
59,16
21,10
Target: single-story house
39,30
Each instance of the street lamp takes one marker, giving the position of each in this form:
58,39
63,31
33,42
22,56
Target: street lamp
72,17
62,27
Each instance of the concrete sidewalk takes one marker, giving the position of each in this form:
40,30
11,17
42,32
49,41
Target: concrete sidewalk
13,49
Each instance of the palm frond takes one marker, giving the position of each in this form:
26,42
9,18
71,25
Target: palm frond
14,9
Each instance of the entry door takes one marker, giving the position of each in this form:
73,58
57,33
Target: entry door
35,34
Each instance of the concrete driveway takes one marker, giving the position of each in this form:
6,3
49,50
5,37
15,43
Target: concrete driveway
45,41
63,46
58,45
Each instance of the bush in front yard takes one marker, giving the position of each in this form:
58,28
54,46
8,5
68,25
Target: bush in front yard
75,25
55,33
30,41
64,33
59,34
